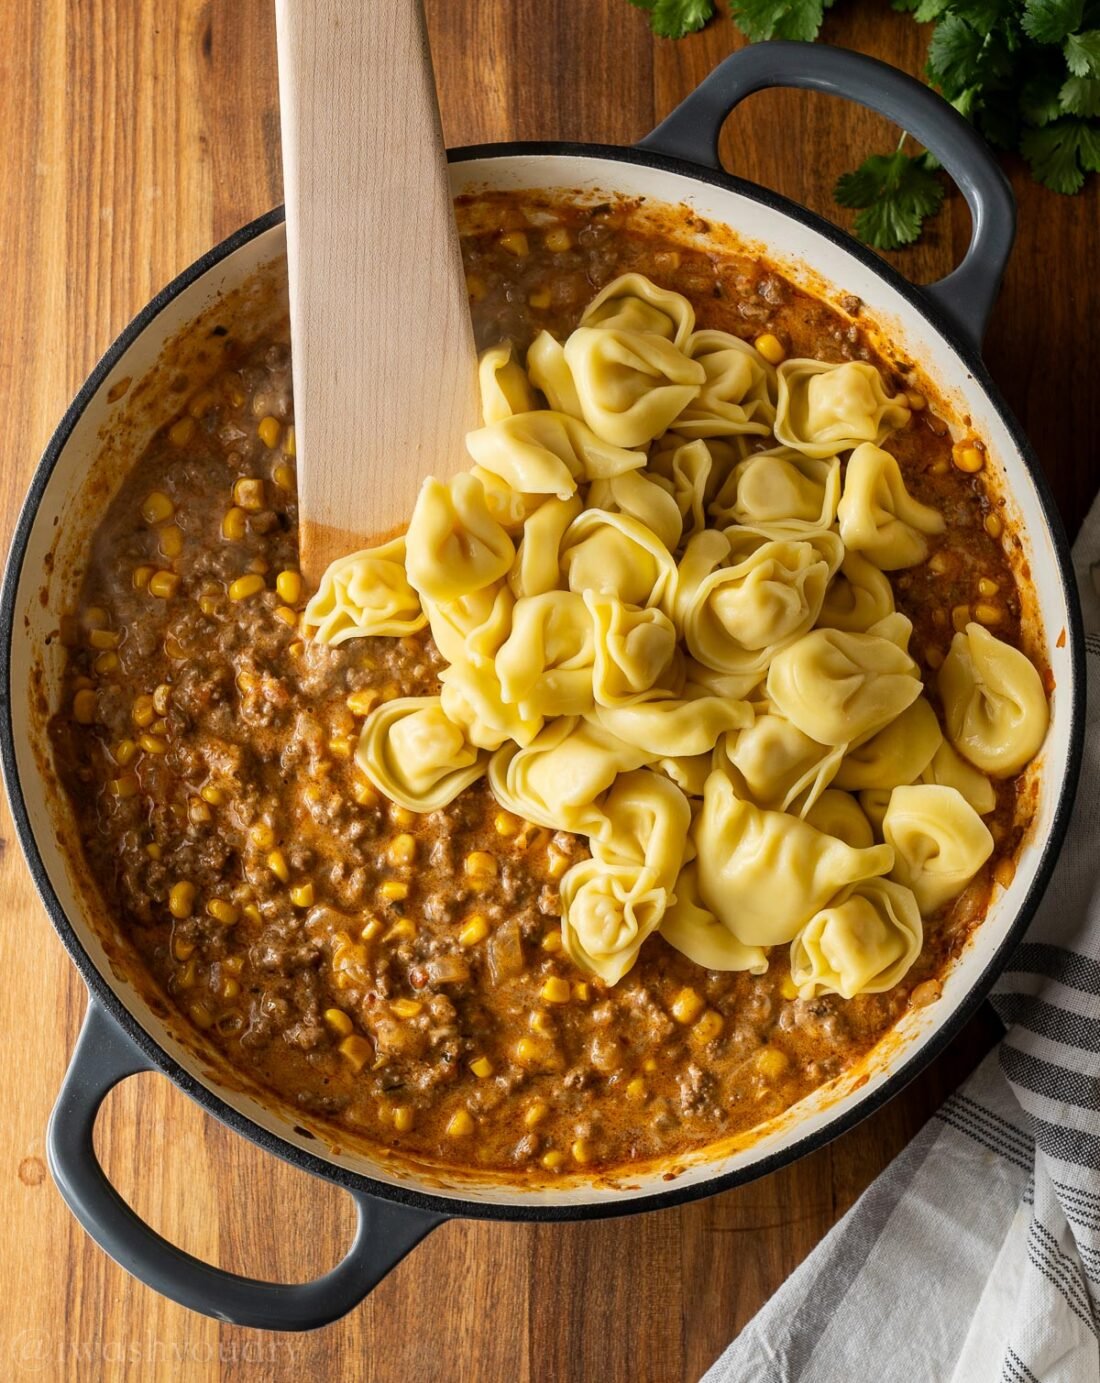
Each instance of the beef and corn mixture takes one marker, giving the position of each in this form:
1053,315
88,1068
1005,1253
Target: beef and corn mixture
401,976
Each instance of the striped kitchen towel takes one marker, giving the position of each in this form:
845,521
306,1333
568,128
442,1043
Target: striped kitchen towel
975,1256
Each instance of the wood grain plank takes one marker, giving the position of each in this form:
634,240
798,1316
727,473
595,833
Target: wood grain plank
135,136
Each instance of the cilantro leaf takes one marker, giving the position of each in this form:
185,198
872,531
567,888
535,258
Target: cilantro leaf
1060,154
676,18
955,55
794,19
1051,21
925,11
893,194
1083,53
1081,96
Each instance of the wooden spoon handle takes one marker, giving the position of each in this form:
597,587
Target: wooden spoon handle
385,370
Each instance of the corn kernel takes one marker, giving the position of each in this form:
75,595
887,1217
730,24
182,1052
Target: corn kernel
476,287
539,299
269,432
581,991
771,1062
395,890
554,1160
364,793
707,1028
540,1021
480,864
552,941
636,1090
153,850
582,1151
401,816
290,446
788,988
302,895
234,524
687,1006
106,663
403,1118
405,1008
223,911
125,752
153,744
143,712
505,824
1004,871
181,432
985,613
164,584
528,1052
402,849
404,929
557,240
475,930
461,1124
361,703
960,618
771,348
556,990
993,525
338,1021
357,1051
182,949
276,862
246,586
969,459
140,576
252,912
371,929
181,899
186,977
157,507
96,617
200,1014
283,476
171,540
515,242
987,587
649,1064
289,586
556,863
535,1113
934,658
939,563
231,988
85,707
248,493
103,638
482,1067
917,402
263,836
213,794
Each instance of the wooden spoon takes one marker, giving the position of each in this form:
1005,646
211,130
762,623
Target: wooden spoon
385,369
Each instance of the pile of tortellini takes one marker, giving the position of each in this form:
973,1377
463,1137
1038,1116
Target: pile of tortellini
660,595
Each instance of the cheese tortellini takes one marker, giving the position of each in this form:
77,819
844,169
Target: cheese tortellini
662,619
993,701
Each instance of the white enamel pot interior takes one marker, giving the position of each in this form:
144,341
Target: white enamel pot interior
399,1203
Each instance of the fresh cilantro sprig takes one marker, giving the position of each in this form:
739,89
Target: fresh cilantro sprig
1026,73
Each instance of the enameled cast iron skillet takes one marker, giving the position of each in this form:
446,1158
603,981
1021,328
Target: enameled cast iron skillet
940,326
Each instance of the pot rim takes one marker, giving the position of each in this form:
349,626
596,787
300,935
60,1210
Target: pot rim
103,993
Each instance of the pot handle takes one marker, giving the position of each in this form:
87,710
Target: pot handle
105,1055
967,294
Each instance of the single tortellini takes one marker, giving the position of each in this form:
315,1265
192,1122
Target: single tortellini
547,453
781,767
676,727
645,823
630,385
472,699
951,770
556,779
454,546
686,470
545,664
415,756
472,627
613,554
691,928
858,596
633,303
896,755
839,814
864,942
607,912
993,701
644,498
633,648
781,493
764,874
366,593
738,393
504,386
735,616
940,842
537,568
839,687
879,517
825,409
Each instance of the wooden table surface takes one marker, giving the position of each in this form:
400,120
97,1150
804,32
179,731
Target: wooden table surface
134,135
